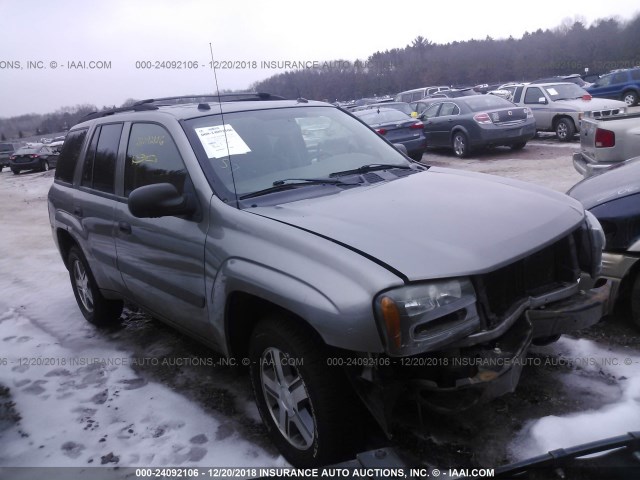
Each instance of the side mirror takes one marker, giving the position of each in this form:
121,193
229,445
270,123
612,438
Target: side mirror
401,148
542,100
159,200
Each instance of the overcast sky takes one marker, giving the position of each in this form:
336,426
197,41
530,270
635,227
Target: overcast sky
120,33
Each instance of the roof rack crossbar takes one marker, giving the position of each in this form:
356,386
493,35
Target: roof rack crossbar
229,97
110,111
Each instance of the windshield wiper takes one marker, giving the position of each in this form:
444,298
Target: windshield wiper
370,168
289,183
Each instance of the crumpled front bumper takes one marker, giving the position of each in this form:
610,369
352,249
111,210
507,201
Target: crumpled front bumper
457,378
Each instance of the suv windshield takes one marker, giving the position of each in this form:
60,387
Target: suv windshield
257,148
565,91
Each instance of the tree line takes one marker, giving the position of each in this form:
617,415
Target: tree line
571,47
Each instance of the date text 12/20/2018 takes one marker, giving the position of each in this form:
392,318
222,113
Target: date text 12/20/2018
194,65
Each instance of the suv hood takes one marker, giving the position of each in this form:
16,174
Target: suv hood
595,104
439,223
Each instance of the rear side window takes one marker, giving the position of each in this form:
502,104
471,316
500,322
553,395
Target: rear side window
100,164
152,157
68,159
635,74
620,77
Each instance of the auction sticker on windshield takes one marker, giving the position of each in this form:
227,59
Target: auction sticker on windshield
221,140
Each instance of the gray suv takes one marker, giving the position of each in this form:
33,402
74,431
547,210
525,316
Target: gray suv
290,236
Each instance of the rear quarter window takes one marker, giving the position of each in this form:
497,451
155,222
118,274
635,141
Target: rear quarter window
69,155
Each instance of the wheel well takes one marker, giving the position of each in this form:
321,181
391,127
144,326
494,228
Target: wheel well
627,283
65,242
243,313
557,118
456,130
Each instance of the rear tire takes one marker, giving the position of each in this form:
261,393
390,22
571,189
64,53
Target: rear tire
565,129
417,156
94,307
308,408
44,166
460,145
518,146
15,171
630,98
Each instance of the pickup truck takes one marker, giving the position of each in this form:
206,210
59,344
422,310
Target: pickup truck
607,141
559,107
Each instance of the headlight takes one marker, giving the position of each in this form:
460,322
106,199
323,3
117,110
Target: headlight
597,238
419,318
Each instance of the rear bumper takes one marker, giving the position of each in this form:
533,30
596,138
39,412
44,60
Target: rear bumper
494,135
586,168
30,165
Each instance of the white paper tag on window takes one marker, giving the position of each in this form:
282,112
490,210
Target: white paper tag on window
552,91
219,141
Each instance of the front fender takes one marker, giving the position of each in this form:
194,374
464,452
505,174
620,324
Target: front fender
350,325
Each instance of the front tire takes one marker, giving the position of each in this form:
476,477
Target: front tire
460,145
565,129
94,307
307,407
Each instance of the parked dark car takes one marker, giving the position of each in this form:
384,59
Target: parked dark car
34,157
467,123
619,85
6,150
403,107
614,198
422,105
396,127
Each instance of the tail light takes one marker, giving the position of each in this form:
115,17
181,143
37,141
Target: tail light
528,111
381,131
482,118
34,156
12,157
605,138
586,96
417,126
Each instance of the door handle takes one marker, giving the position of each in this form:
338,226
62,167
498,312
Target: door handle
124,227
77,211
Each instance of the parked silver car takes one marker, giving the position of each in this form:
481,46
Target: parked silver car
340,271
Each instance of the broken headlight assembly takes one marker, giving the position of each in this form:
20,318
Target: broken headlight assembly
422,317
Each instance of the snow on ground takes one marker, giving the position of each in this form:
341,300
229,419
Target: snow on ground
80,401
618,417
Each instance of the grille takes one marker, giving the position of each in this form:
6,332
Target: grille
542,272
606,113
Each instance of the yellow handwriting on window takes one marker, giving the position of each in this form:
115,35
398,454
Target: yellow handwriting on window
143,157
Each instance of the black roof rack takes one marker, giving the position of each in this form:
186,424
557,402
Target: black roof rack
154,103
224,97
110,111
